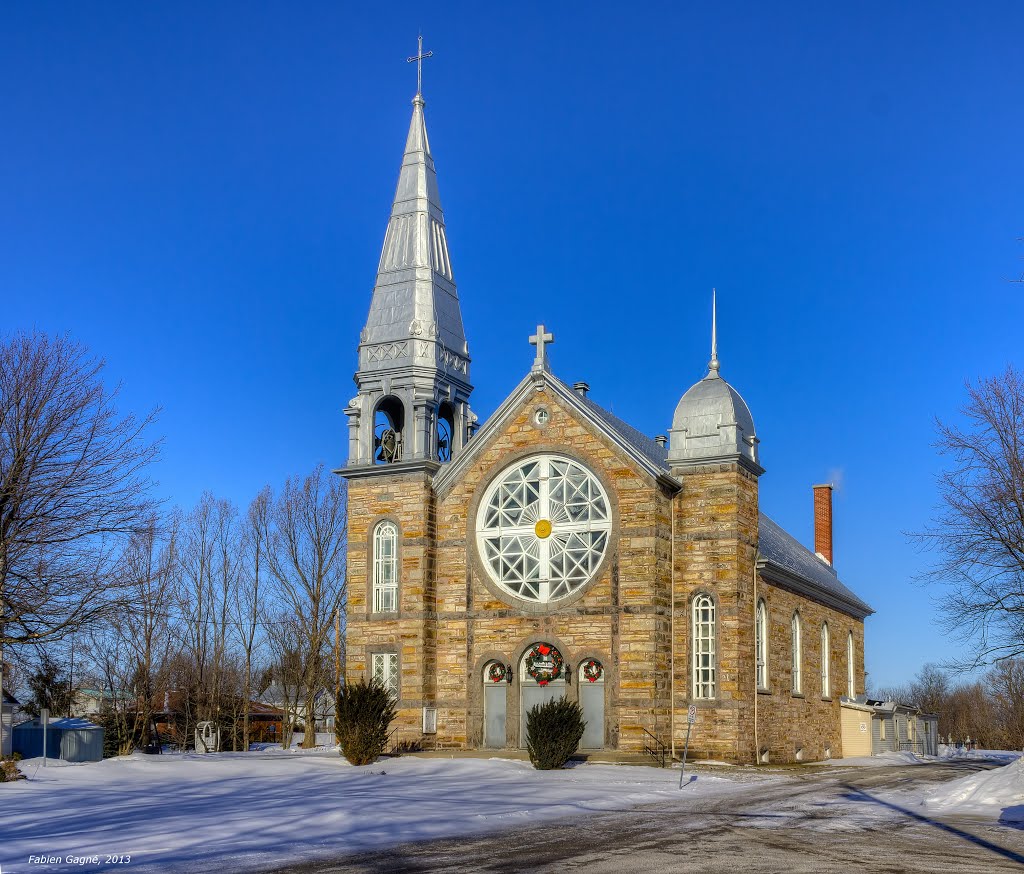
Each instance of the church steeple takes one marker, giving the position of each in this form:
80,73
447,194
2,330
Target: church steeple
413,376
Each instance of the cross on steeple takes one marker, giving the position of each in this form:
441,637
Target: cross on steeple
540,340
418,58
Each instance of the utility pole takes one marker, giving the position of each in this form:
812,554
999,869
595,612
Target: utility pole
337,651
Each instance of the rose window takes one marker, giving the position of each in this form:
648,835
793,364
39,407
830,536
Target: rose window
543,527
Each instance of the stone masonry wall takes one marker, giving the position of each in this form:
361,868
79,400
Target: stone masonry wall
809,721
407,500
716,526
621,617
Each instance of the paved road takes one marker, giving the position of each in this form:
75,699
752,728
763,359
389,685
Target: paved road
821,820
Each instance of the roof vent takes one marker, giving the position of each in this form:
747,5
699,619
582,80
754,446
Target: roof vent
581,388
661,440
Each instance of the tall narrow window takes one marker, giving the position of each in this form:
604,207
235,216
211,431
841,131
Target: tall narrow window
384,671
851,682
826,657
761,644
704,663
797,684
385,568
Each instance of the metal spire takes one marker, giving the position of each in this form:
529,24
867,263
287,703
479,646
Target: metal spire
713,365
418,58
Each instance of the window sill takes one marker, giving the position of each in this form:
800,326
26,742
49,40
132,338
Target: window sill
761,690
826,698
798,695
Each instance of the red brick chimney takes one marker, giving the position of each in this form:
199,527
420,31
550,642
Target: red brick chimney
823,521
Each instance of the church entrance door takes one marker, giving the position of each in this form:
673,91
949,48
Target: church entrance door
541,679
591,686
495,707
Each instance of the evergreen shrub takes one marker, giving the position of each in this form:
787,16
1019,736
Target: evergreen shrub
362,721
553,733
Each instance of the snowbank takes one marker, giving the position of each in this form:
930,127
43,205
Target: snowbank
240,811
996,794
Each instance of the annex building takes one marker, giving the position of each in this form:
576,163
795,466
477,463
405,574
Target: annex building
555,550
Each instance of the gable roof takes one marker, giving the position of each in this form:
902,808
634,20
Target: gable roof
637,446
782,558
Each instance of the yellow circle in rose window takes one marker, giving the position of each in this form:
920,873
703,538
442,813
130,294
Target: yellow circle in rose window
542,529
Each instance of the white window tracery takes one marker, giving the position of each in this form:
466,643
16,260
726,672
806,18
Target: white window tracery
704,656
826,657
851,683
797,680
385,567
384,671
761,644
543,528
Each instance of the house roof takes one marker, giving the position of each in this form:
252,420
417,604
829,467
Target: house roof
10,699
786,560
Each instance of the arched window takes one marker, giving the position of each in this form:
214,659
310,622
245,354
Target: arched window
385,567
826,657
797,683
445,432
851,682
388,431
761,644
704,662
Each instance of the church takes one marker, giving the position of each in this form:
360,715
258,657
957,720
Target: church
555,550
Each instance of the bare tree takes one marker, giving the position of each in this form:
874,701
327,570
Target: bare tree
248,600
978,531
305,538
208,562
73,484
1006,684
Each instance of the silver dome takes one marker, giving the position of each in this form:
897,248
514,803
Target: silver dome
713,423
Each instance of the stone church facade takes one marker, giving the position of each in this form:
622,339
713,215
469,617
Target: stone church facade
555,550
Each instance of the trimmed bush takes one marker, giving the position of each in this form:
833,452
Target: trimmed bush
553,733
9,769
363,720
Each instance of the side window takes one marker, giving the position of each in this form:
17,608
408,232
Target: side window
703,640
384,671
851,683
761,644
385,567
826,656
796,632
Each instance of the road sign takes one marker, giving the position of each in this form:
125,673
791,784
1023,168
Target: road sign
691,714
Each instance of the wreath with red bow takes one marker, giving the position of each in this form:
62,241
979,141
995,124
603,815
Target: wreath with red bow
592,671
546,654
496,673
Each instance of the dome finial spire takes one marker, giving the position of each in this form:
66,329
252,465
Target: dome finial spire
713,365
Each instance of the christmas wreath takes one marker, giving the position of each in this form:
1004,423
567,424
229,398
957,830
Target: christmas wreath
496,672
592,671
551,659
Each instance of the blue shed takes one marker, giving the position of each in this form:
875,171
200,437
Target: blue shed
73,740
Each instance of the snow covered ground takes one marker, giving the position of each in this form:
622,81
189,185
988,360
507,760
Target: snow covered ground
244,811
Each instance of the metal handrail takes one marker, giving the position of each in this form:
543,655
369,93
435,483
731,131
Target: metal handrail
655,748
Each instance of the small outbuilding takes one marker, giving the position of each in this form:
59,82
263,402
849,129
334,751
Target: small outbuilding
70,739
856,727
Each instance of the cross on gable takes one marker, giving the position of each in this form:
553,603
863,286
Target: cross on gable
540,340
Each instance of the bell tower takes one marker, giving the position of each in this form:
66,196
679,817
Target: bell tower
412,403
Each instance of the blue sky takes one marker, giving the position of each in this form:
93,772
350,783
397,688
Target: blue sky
199,192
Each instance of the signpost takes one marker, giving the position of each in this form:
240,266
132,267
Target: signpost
44,714
691,718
